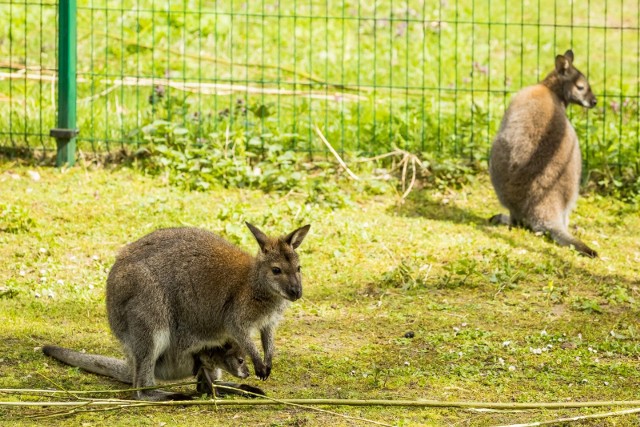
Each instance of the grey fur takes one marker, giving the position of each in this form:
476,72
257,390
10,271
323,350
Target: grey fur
535,161
177,291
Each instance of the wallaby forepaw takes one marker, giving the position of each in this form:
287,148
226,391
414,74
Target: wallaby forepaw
263,372
203,386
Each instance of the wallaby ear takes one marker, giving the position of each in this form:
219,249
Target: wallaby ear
569,55
562,64
296,237
259,235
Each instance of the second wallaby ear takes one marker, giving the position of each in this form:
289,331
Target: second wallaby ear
562,64
296,237
569,55
259,235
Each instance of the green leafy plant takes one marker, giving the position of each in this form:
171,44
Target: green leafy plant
15,219
587,304
458,272
406,275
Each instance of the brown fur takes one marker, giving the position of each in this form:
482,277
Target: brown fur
177,291
535,161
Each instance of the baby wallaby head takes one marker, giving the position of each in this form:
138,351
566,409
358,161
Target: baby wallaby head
278,266
227,357
575,87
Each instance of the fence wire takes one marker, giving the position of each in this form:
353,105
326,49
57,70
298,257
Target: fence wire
425,76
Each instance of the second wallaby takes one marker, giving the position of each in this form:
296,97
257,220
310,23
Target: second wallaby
535,162
176,291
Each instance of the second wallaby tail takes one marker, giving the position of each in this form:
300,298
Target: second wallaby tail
563,238
102,365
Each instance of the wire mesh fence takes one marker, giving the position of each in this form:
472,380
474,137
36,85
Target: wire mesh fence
425,76
28,62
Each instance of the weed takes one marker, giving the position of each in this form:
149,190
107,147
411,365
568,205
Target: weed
586,304
458,272
617,295
406,275
554,293
506,275
15,219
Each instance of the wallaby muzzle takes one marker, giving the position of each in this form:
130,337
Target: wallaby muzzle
294,292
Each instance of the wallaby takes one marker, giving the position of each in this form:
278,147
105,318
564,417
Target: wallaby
535,161
209,363
206,365
176,291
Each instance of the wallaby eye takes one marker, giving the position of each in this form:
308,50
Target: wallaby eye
580,87
240,360
276,270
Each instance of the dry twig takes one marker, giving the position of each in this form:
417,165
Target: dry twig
335,154
405,159
577,418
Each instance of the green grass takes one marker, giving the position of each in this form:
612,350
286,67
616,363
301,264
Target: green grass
498,314
430,77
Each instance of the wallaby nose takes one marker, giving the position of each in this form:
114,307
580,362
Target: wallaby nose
594,101
295,293
294,290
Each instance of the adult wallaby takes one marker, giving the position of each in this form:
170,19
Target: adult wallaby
535,162
206,365
177,291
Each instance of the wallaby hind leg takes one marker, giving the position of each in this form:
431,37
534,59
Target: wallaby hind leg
143,376
500,219
511,220
143,357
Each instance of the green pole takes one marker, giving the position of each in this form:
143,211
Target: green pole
66,131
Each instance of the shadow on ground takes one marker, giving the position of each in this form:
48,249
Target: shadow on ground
421,204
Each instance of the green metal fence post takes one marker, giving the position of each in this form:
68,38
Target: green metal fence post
66,131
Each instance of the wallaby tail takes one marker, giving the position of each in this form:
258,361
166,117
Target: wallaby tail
102,365
563,238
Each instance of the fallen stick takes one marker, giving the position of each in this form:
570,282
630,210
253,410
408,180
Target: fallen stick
335,154
577,418
339,402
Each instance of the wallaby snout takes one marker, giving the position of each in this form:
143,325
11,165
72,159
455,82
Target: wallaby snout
243,372
587,100
295,291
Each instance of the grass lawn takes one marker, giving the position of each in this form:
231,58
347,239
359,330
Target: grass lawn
497,314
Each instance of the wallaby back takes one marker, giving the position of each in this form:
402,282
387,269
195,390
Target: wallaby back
535,162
